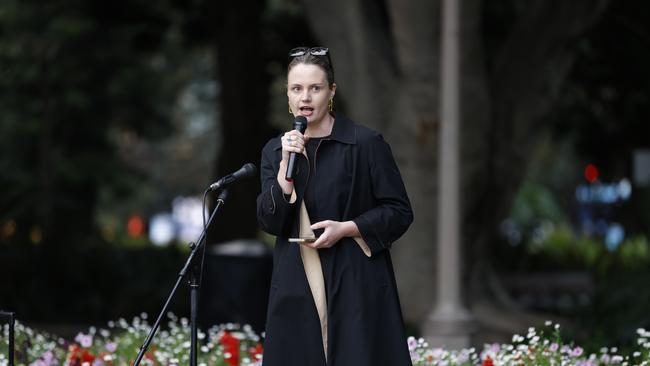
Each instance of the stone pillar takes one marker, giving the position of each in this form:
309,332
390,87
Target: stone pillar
450,324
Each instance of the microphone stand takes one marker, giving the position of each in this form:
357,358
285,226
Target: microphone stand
11,320
194,283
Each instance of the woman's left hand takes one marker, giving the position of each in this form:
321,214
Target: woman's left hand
333,232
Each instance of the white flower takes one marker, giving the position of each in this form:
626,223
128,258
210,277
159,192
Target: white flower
605,358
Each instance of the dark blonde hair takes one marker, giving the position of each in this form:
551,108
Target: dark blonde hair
324,62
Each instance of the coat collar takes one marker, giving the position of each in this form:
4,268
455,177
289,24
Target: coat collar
343,131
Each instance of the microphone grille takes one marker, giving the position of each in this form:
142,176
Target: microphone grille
300,124
250,169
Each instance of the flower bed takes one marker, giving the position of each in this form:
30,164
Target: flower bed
234,345
120,342
539,347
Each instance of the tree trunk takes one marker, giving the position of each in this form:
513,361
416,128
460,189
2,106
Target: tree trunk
244,106
385,59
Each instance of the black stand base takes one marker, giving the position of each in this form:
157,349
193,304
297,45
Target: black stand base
10,318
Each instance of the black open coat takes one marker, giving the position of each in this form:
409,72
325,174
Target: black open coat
357,179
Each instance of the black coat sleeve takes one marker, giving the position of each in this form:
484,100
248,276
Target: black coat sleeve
391,215
274,212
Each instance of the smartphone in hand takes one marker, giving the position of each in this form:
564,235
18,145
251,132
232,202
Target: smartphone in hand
302,240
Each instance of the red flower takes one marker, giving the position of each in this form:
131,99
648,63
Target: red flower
73,355
87,357
254,351
487,362
230,345
74,350
77,356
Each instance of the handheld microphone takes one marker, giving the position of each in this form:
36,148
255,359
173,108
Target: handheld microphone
300,125
245,171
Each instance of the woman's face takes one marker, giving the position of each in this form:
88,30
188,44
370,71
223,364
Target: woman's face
309,92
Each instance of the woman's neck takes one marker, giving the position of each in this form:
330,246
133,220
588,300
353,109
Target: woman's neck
321,128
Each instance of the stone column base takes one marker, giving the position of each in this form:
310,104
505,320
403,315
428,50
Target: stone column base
450,328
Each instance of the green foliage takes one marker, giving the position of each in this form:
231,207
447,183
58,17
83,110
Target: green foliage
545,233
562,246
75,78
535,202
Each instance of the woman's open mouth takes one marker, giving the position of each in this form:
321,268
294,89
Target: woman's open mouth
306,111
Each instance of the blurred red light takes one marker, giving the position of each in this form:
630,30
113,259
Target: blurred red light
135,226
591,173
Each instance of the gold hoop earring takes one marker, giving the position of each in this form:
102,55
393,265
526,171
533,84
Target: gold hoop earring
330,105
290,112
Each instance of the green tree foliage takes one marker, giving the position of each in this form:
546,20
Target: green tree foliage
75,78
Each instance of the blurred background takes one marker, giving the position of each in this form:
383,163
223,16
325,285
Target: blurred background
116,116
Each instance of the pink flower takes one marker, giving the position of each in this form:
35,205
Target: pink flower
84,340
412,343
576,352
111,347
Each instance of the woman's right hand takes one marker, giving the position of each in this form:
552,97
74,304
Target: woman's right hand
292,141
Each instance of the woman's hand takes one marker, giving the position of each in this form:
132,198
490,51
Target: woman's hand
334,231
292,141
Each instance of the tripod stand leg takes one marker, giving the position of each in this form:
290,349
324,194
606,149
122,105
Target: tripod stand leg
194,307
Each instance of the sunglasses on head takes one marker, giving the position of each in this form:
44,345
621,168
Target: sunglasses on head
301,51
315,51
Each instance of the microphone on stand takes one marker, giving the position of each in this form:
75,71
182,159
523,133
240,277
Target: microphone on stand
300,125
245,171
